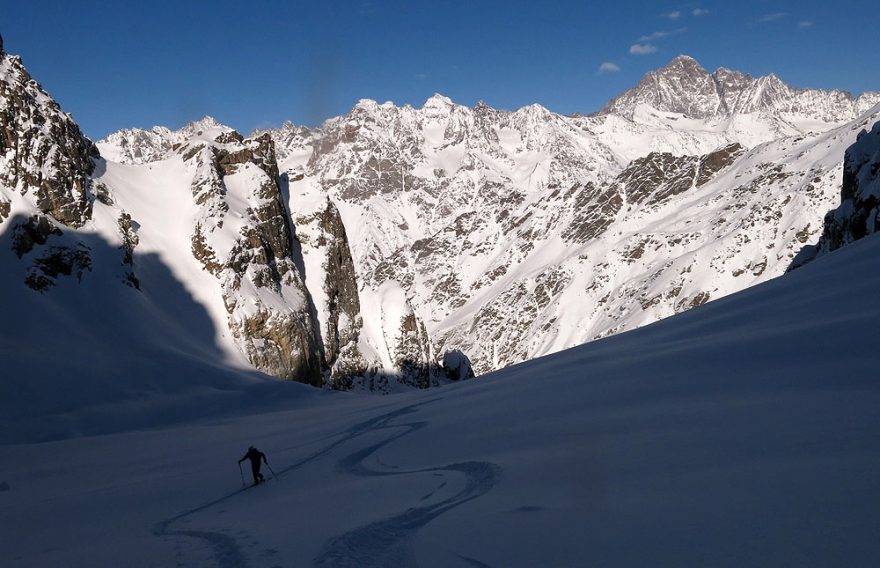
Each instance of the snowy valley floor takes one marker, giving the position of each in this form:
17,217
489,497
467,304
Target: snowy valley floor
743,433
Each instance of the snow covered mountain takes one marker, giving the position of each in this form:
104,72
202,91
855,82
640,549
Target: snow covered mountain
396,244
516,234
684,87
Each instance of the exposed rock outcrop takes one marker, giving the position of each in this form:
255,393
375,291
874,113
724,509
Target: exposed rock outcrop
32,232
457,366
333,285
130,240
42,151
661,175
5,208
49,255
340,284
858,214
235,181
56,261
412,354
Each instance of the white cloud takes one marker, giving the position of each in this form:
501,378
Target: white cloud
674,15
608,67
642,48
661,34
772,17
421,76
805,24
699,12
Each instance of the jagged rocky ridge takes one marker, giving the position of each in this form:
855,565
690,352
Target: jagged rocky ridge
400,245
685,87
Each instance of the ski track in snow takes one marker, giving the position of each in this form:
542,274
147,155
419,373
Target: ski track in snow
387,542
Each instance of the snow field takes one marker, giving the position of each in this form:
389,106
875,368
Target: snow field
738,433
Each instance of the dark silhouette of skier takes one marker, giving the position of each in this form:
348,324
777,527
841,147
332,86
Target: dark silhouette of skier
255,456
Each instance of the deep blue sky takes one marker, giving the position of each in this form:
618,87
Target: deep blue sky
258,63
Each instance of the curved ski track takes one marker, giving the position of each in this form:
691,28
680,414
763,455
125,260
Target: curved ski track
387,542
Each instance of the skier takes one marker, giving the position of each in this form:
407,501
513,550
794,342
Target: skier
255,456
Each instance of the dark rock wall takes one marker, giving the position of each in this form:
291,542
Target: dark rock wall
859,212
857,216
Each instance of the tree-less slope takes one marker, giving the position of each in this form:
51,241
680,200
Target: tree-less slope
742,432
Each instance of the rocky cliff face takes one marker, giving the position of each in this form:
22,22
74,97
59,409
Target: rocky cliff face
858,214
42,151
330,273
46,164
236,183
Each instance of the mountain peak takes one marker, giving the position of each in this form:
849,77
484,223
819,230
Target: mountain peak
683,60
365,104
205,123
683,86
438,101
683,65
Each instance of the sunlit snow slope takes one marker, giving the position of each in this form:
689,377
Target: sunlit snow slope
740,433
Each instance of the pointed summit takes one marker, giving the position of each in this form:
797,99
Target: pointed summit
682,86
365,105
205,123
438,101
684,62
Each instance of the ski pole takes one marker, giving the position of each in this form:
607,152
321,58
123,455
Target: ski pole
241,473
273,471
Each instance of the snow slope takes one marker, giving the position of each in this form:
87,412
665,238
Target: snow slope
742,432
93,354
